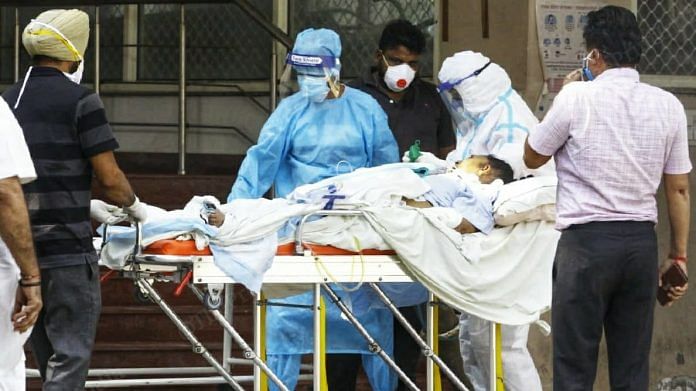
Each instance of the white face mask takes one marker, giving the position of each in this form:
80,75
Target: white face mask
76,77
398,77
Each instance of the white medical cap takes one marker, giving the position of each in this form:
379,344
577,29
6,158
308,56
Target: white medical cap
478,93
59,34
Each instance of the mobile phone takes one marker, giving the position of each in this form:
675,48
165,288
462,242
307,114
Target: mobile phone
673,277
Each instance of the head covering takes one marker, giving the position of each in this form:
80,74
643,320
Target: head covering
497,120
318,42
58,34
478,93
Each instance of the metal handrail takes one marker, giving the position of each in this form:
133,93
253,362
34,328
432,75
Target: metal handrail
198,126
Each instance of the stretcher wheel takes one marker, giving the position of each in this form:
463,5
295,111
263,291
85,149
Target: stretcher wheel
212,302
140,296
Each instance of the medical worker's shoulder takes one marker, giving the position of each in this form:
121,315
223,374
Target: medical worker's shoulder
361,99
292,104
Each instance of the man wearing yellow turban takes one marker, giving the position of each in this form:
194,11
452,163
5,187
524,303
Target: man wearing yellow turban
70,141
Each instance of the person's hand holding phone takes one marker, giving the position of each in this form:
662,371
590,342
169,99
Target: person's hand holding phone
674,275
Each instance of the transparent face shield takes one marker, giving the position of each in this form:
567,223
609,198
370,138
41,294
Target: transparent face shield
316,76
453,99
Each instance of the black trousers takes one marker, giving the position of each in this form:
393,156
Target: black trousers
604,278
342,369
63,336
407,353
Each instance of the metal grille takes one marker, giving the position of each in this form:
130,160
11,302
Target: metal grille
7,22
223,43
158,41
111,36
360,23
669,36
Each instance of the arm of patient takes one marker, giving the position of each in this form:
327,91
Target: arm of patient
464,227
216,218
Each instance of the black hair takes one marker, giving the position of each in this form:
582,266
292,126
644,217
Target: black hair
39,58
401,32
615,33
501,169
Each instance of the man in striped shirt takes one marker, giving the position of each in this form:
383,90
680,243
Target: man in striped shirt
69,140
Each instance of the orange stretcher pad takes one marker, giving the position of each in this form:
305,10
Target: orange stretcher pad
188,247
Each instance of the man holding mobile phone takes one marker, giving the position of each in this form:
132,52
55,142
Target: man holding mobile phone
613,139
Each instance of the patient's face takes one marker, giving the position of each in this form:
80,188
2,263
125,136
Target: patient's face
479,166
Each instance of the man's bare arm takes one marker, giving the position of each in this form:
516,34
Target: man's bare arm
14,226
16,233
465,227
677,192
533,159
112,180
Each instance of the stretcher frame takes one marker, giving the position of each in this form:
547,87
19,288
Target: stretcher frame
302,268
190,270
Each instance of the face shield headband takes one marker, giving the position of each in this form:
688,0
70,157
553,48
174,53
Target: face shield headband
312,61
313,66
446,86
455,103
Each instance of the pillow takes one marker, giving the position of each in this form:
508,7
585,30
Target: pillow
530,199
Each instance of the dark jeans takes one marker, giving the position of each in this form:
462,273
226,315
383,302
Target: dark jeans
604,277
342,369
63,336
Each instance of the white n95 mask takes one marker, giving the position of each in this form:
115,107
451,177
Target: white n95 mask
76,77
398,77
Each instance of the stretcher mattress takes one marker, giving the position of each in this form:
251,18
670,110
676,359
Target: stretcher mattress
188,247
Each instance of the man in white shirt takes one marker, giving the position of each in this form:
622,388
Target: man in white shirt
19,308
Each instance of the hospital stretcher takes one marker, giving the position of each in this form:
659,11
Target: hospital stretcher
297,263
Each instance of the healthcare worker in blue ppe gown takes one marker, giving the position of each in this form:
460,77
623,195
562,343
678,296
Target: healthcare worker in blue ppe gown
324,129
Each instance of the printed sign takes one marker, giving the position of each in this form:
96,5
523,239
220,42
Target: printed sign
561,46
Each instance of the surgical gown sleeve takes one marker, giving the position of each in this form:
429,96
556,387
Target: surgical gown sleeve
384,147
260,166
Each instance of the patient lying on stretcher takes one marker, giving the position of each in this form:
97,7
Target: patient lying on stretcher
470,188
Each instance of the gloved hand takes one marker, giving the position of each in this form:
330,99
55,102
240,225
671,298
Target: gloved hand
106,213
427,158
137,211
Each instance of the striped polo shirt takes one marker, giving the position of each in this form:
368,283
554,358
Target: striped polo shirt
64,125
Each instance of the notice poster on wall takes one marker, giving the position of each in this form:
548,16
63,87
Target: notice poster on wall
559,26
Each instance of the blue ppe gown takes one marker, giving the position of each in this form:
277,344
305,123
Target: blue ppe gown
304,142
